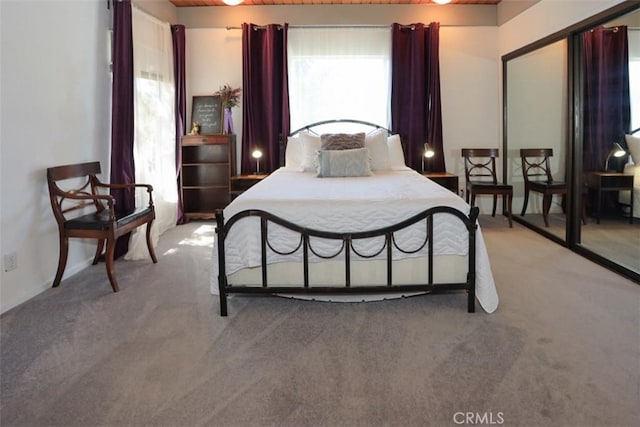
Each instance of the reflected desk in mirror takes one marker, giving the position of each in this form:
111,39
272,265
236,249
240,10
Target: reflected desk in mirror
601,182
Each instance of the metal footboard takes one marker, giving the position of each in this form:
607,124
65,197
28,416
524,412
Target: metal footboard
348,249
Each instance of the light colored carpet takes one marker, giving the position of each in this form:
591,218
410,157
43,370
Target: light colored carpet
563,348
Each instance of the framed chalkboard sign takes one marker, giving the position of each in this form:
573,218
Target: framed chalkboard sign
207,112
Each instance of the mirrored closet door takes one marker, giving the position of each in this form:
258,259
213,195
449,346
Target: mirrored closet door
612,229
536,99
547,112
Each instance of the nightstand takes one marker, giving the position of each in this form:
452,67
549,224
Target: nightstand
445,179
610,181
241,183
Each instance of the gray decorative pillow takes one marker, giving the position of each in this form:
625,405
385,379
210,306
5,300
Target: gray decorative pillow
342,141
342,163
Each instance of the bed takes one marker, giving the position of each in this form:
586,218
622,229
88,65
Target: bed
633,168
383,233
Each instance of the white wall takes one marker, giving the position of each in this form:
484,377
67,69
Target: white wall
547,17
161,9
55,110
469,67
213,59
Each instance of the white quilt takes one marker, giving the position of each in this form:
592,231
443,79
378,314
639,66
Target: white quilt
350,205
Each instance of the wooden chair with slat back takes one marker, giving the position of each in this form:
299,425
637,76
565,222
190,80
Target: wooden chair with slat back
481,178
537,174
83,212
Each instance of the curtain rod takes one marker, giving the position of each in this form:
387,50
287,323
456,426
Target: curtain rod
262,27
615,29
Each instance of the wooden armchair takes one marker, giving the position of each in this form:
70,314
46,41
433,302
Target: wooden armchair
480,174
85,213
537,177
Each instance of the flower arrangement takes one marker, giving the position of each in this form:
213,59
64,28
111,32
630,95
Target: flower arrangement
230,96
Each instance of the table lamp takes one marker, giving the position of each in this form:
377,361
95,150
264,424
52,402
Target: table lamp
257,154
616,151
426,155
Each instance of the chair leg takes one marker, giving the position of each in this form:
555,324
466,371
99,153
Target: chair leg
526,201
62,260
509,201
149,245
99,249
473,200
111,248
495,203
546,207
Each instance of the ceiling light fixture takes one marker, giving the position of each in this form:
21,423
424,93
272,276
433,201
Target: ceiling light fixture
232,2
442,1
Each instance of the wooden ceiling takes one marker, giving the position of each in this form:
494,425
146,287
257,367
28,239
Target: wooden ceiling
189,3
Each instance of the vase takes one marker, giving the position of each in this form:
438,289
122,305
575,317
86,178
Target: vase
228,121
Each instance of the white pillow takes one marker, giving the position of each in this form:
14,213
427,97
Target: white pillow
293,154
343,163
396,155
633,142
311,144
376,143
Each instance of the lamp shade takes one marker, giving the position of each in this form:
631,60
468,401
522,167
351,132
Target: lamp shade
257,154
428,151
232,2
616,151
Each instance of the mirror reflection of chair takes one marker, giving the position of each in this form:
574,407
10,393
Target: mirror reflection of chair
536,170
84,212
481,177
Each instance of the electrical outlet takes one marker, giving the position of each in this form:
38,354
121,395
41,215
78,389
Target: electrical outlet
461,192
10,261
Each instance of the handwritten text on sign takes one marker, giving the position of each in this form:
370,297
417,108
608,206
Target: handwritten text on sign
207,111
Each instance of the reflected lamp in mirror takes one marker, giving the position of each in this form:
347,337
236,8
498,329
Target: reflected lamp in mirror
616,152
257,154
427,153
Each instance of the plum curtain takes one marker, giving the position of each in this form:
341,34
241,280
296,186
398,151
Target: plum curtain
122,123
179,69
416,112
265,95
607,111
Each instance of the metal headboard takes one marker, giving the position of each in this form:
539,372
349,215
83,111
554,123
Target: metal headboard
334,121
310,128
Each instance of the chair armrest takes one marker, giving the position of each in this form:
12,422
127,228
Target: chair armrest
84,196
125,186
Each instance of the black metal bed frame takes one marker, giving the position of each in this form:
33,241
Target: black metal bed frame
222,230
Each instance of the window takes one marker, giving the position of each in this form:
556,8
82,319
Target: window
154,146
339,73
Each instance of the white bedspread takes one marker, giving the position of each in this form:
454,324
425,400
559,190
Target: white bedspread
350,205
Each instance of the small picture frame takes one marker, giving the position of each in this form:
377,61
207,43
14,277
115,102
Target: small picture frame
206,111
